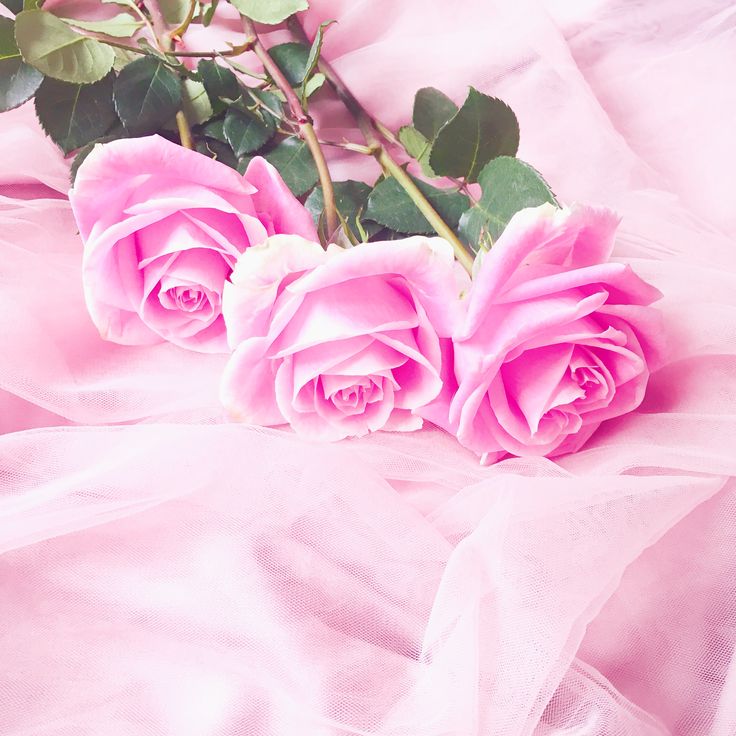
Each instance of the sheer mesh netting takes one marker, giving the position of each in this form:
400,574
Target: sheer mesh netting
163,572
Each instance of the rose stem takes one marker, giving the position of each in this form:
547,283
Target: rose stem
166,42
235,51
368,129
306,128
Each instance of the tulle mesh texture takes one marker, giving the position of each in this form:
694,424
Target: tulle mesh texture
164,572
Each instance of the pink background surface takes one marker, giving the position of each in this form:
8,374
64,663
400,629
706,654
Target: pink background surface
164,572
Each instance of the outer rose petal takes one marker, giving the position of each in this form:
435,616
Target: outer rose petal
542,290
145,208
577,237
275,202
426,263
250,295
247,389
354,320
107,173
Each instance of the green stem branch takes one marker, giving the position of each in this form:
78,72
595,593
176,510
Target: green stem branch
369,130
235,51
166,43
306,128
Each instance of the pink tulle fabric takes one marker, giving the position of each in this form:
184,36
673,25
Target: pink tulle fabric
165,572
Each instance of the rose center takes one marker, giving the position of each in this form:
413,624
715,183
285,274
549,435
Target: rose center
585,376
183,298
354,398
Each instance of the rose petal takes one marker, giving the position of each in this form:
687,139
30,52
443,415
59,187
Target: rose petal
275,203
576,237
532,379
338,312
247,387
249,298
425,264
618,279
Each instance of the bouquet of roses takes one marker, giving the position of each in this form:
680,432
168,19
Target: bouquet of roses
210,220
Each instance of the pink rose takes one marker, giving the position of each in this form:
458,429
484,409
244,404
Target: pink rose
162,227
338,343
556,339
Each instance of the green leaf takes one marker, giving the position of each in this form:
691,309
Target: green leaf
483,129
174,11
432,109
195,102
314,84
75,114
215,130
123,58
351,198
18,80
294,162
418,147
14,6
49,45
8,47
269,11
389,205
246,132
208,13
218,80
292,59
147,94
508,185
120,26
316,49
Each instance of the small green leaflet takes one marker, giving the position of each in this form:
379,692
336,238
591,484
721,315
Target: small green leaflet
147,94
390,206
246,132
14,6
291,58
120,26
508,185
482,129
75,114
49,45
218,80
18,80
294,162
195,102
174,11
270,12
314,53
432,109
208,12
417,146
351,198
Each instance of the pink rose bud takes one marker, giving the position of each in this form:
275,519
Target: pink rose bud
338,343
162,227
556,340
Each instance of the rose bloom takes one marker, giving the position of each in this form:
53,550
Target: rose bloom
338,343
556,338
162,227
